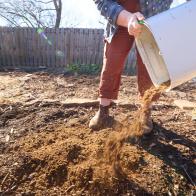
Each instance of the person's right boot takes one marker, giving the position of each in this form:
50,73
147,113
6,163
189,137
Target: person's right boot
101,118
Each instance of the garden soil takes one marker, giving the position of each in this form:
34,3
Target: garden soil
46,147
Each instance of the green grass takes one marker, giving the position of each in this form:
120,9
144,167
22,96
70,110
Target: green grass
84,69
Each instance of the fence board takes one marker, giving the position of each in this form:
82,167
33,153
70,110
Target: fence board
26,51
1,48
4,46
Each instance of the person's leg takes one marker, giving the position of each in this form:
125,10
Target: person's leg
114,60
115,54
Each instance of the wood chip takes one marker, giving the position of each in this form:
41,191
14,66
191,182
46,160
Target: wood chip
7,138
194,114
12,131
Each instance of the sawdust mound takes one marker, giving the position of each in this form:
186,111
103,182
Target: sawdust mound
65,162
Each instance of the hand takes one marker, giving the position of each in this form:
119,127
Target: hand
130,21
134,28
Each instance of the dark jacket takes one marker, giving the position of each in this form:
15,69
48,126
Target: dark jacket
110,9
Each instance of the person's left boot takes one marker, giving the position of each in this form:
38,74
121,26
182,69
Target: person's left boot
101,118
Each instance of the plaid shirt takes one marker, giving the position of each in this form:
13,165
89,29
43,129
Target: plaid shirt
110,9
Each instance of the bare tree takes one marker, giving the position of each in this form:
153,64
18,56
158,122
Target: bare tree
32,13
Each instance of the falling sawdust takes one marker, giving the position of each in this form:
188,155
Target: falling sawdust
135,130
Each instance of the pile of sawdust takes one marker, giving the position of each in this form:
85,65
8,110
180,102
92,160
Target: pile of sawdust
135,130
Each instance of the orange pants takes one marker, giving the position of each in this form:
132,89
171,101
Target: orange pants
115,54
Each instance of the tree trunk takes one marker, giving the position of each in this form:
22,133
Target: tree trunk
58,7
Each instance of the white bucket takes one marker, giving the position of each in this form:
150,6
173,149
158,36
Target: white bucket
167,45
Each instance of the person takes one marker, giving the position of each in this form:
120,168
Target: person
123,18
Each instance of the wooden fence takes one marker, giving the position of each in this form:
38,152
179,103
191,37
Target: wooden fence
53,48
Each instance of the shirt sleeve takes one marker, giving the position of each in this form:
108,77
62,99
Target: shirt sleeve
109,9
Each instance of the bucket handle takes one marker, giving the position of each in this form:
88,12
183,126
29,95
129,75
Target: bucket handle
141,22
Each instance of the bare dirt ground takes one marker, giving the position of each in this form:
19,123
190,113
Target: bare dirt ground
46,147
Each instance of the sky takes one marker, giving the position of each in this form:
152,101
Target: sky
83,13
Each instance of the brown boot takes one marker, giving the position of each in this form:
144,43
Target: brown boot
101,118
